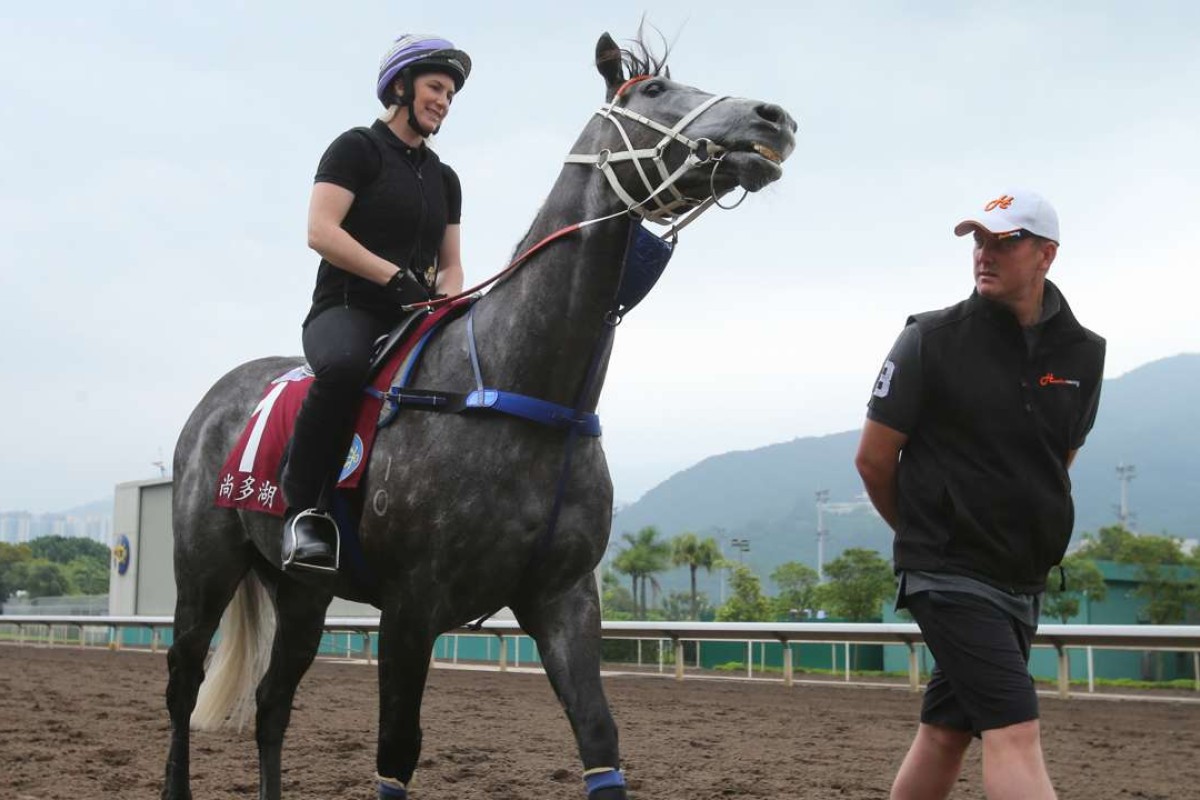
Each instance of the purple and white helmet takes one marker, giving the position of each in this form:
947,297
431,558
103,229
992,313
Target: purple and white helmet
427,53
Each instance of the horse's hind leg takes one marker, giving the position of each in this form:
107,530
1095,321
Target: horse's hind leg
566,627
204,588
300,614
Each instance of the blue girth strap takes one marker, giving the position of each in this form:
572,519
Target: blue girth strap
519,405
534,410
483,398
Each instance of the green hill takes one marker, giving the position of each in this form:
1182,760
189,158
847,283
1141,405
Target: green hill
1147,419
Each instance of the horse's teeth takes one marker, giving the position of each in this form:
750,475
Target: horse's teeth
767,153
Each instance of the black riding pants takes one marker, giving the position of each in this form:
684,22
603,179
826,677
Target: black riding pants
338,344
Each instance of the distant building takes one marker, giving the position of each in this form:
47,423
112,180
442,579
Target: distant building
16,527
21,527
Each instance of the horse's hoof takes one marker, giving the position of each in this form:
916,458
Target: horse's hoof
392,789
609,793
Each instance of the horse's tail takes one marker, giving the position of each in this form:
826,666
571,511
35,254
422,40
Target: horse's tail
240,660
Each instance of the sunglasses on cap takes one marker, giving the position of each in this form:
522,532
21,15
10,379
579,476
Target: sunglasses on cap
1002,241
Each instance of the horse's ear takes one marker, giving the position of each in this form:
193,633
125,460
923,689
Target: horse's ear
608,62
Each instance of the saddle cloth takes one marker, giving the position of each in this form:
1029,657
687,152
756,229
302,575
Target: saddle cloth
249,479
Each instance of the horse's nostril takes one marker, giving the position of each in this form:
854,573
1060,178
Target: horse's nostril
772,113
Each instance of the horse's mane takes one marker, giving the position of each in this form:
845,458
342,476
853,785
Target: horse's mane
640,59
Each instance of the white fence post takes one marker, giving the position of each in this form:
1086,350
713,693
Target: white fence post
1091,665
914,668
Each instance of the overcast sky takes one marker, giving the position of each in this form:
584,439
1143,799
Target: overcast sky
157,159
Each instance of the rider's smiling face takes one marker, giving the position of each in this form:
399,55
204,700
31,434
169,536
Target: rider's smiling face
433,92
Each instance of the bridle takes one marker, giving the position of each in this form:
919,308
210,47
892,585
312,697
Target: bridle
677,212
678,209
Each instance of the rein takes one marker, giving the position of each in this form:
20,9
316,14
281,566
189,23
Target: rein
678,212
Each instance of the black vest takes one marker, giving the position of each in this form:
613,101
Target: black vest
400,216
983,483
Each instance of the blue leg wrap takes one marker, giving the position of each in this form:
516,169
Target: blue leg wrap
603,780
391,789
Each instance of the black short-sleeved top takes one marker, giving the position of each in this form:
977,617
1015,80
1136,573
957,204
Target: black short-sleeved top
404,197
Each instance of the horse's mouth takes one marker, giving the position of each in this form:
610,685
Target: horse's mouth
769,153
754,166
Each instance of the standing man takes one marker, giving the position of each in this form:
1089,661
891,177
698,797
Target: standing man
978,411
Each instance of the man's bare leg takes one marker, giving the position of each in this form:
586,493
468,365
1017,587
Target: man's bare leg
932,765
1013,766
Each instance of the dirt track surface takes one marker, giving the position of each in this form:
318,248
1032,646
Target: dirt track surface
92,724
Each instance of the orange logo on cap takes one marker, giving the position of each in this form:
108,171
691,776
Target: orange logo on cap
1003,201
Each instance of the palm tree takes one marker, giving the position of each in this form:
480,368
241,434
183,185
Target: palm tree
644,556
689,549
626,564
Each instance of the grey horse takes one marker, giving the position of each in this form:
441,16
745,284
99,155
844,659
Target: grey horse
455,526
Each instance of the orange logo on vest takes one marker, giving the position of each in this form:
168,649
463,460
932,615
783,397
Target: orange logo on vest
1003,201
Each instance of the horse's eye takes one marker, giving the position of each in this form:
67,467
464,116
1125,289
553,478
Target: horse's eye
654,88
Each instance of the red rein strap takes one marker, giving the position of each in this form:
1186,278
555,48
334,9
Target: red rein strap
516,262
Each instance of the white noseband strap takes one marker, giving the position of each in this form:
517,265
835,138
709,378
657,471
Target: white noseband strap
700,151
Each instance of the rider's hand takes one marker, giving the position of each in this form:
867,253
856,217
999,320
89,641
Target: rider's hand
406,288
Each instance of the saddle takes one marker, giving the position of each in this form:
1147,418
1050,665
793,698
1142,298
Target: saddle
249,479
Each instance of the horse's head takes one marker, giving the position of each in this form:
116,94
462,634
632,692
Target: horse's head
666,148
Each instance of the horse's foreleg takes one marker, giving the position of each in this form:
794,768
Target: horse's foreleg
300,613
404,652
567,629
202,597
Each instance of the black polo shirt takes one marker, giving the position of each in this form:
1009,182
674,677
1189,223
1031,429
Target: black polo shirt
404,197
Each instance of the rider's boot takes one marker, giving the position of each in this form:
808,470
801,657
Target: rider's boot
311,541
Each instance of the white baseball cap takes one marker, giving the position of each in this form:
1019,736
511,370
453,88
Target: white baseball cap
1013,211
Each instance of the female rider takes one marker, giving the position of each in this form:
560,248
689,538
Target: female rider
384,217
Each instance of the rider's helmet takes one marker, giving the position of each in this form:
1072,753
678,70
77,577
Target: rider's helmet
413,54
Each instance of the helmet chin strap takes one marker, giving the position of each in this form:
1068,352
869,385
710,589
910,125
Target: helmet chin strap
416,126
406,100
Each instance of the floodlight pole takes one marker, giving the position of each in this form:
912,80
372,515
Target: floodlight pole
822,499
1125,474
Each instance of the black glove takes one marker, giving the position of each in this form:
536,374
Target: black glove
406,289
